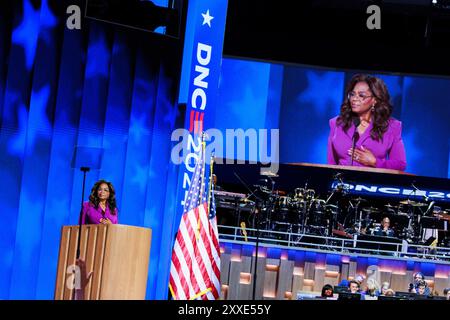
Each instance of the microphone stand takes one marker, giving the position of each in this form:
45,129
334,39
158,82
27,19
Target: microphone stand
356,122
356,215
84,170
337,189
257,213
258,209
355,138
256,253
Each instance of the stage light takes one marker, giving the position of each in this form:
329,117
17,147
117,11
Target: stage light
138,14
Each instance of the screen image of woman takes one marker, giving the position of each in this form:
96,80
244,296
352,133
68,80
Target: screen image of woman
364,133
101,207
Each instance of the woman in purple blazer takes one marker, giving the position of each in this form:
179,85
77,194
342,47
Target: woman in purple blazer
366,118
101,207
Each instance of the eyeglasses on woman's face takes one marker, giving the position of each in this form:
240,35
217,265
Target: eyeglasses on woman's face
360,96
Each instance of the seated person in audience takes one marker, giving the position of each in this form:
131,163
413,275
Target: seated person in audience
435,293
420,289
327,291
447,293
384,288
389,293
353,286
372,288
419,278
385,228
215,186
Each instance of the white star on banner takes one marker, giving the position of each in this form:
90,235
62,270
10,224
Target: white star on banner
207,18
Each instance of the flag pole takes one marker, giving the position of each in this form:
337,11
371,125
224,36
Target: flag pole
202,184
203,165
210,188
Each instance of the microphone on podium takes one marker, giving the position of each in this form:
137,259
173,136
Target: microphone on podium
356,122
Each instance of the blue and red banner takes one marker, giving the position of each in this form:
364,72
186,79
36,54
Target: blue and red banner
202,63
202,59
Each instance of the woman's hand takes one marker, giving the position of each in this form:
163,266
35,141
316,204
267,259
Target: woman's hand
363,156
84,279
105,221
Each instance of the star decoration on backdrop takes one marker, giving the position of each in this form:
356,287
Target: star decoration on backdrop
140,177
33,123
207,18
323,89
12,98
16,145
138,128
250,99
38,113
48,21
98,61
26,33
171,113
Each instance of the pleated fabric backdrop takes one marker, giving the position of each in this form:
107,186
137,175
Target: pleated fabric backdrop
103,86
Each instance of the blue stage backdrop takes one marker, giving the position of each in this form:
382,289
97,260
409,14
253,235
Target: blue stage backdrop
103,86
299,100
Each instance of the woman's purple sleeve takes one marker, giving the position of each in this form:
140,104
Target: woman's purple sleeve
330,153
114,219
397,154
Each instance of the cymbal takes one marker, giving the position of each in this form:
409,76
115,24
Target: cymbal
371,209
268,173
420,204
413,203
359,199
389,206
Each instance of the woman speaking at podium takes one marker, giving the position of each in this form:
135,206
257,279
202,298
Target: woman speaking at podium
364,134
101,207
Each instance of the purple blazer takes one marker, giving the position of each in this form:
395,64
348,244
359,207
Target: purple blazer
389,152
91,215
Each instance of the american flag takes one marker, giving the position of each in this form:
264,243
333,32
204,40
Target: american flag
195,266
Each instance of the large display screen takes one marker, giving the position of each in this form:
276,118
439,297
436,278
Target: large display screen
300,101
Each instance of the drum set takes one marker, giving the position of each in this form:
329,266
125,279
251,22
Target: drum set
301,211
298,212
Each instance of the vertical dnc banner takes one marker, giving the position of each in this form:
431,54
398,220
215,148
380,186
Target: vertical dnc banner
205,32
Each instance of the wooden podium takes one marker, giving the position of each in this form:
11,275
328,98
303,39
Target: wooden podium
117,256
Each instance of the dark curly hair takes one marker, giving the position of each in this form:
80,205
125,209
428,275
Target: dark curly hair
325,288
383,107
94,199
